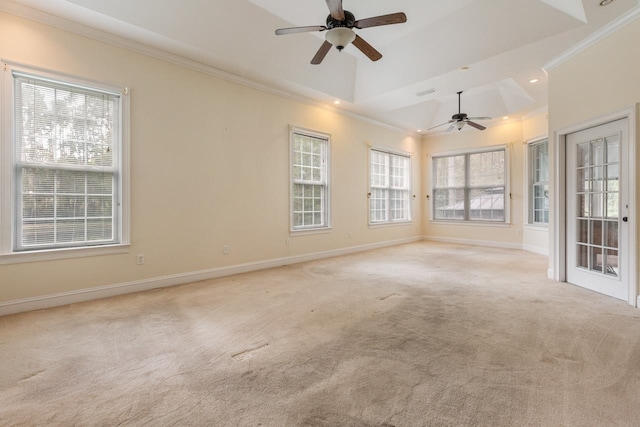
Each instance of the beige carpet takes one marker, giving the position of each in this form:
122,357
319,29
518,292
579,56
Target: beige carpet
416,335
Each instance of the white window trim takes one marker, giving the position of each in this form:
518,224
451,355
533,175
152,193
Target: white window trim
507,187
328,226
7,187
527,186
396,152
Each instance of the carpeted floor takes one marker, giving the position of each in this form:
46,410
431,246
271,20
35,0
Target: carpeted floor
424,334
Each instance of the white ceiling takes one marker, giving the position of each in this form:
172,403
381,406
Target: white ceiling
504,43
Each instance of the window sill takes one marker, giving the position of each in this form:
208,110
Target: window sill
389,224
310,231
471,223
54,254
537,227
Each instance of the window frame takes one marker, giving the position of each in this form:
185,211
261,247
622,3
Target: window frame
467,188
530,192
9,218
388,187
326,201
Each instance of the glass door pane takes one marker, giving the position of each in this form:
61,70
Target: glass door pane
596,222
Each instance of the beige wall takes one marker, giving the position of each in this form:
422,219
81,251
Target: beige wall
209,167
600,80
509,133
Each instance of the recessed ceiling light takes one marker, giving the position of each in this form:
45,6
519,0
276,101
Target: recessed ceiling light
605,2
505,118
534,80
336,102
419,130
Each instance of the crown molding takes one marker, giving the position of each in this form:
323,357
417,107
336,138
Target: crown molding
92,33
594,38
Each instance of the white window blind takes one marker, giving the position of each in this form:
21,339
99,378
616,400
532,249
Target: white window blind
67,142
389,178
309,179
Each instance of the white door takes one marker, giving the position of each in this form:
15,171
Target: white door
597,210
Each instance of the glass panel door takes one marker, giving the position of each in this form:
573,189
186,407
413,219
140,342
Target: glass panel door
597,243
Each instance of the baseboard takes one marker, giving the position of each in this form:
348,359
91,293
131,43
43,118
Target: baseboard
65,298
488,243
550,274
536,250
638,302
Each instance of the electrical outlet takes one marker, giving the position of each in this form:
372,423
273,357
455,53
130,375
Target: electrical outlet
287,242
226,249
349,235
140,259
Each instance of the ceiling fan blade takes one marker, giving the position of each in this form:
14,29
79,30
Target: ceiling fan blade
441,124
450,128
294,30
322,52
376,21
335,8
366,48
480,118
475,125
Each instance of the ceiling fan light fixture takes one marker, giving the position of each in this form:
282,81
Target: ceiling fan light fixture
340,37
459,125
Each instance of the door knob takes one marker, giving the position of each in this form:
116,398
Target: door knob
625,219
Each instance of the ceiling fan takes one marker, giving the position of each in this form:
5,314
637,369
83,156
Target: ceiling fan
340,25
460,119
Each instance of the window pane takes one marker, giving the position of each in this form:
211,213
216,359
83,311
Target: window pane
449,204
487,204
450,171
389,184
486,169
378,205
308,174
538,190
63,131
472,187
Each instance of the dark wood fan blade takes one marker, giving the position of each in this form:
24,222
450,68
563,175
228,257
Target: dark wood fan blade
376,21
366,48
480,118
335,8
475,125
295,30
441,124
450,128
322,52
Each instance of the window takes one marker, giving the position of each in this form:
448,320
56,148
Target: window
471,186
538,155
64,150
389,179
310,184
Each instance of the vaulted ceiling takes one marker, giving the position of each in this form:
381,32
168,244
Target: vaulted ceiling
490,49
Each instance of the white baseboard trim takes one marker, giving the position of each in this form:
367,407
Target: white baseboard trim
550,274
72,297
638,302
536,250
488,243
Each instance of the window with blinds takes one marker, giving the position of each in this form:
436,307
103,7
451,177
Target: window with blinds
389,179
309,176
66,162
471,186
538,190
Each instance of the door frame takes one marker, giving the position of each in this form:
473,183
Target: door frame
558,199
